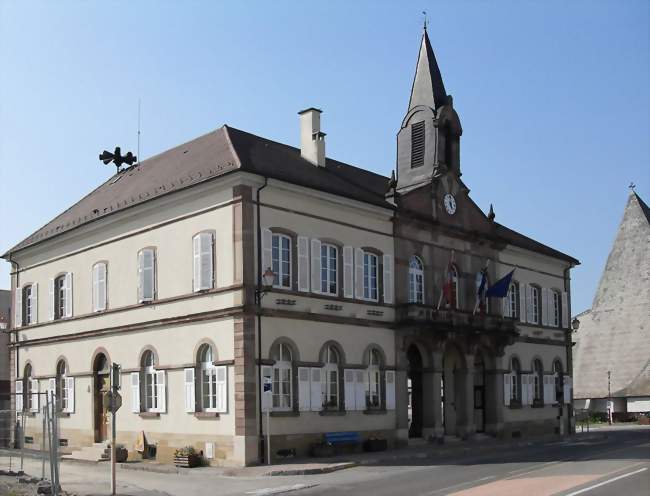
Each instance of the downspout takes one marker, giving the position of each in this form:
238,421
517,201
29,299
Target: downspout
15,326
258,304
569,345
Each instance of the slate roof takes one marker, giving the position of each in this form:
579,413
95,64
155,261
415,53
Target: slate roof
615,334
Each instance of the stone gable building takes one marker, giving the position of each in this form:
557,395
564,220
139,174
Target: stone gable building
614,334
159,269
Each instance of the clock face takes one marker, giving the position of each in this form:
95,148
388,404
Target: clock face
450,204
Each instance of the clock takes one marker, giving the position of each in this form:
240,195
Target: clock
450,203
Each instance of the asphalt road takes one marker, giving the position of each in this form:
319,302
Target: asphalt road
619,464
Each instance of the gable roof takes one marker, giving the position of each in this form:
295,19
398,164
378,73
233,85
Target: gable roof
615,334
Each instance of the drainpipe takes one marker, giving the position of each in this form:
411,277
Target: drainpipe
569,344
16,267
258,304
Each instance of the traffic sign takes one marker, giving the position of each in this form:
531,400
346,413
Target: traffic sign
112,401
268,384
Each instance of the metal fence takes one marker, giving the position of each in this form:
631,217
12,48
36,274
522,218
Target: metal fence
32,433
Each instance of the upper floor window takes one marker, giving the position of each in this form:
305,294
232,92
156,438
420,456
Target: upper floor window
556,307
99,286
416,280
29,304
331,386
61,296
282,378
329,269
417,144
370,268
281,260
534,304
203,257
512,300
146,274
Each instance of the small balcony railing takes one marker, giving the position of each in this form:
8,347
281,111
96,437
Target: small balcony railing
451,319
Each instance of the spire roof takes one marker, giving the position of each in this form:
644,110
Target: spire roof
428,88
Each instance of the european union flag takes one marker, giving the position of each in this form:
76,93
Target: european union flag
500,288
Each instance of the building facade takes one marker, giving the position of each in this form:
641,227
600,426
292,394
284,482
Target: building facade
371,324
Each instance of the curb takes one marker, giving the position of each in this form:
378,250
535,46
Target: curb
312,471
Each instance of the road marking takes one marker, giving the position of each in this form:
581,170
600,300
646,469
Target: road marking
607,481
280,489
456,486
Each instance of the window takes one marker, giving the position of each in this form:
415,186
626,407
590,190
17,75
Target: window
331,386
150,384
454,287
329,269
203,261
370,276
515,380
282,377
373,384
559,380
28,389
29,304
534,304
146,275
417,144
512,301
538,381
208,379
99,287
61,294
416,280
281,260
555,309
61,391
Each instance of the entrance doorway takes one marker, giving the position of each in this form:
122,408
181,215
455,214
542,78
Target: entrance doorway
415,381
479,393
452,388
101,385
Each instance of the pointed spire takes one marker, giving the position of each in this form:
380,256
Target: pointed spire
428,88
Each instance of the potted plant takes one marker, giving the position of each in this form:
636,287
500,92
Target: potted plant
186,457
375,444
121,453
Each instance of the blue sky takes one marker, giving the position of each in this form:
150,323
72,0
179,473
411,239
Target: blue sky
553,97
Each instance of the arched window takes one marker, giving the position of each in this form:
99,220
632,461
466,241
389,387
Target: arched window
538,381
282,377
515,380
150,382
207,379
416,280
62,393
512,301
558,376
331,392
373,384
28,389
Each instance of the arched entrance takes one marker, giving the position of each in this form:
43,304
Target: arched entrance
101,385
452,388
415,391
479,392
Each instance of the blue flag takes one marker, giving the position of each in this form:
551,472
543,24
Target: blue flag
500,288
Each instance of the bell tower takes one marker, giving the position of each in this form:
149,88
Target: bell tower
428,142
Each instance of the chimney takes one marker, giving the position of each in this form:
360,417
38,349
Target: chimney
312,140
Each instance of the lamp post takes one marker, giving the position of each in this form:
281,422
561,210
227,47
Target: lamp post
265,285
610,405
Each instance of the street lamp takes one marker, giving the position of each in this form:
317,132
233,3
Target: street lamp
267,283
575,324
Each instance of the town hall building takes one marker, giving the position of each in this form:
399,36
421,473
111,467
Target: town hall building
376,320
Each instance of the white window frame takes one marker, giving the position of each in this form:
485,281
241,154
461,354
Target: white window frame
151,401
373,384
277,261
100,305
513,300
534,304
282,400
416,280
538,380
202,257
370,290
331,381
143,270
61,392
556,308
207,380
329,275
59,296
515,381
28,305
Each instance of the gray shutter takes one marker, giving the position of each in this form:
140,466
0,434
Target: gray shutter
68,294
348,272
161,390
544,309
568,386
507,391
140,276
18,319
358,273
267,250
221,375
207,259
349,376
390,390
315,266
529,303
135,392
304,392
19,395
69,384
35,395
316,389
564,310
51,301
190,391
146,269
523,308
34,303
303,263
196,262
102,287
388,279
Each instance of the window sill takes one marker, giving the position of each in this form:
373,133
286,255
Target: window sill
332,413
149,415
375,411
206,415
285,414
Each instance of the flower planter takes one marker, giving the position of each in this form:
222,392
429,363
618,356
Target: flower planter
188,461
375,445
121,455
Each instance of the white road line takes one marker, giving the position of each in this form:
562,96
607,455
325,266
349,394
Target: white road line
608,481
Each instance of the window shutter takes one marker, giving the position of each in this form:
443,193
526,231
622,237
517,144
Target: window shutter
567,389
206,269
18,321
390,390
50,307
135,392
388,279
161,390
51,391
348,375
548,389
304,392
507,390
196,263
69,384
360,389
523,306
19,395
529,303
316,390
267,250
190,395
221,373
103,286
564,310
266,371
505,306
358,273
544,309
68,294
348,272
315,266
34,303
531,388
524,389
140,276
95,287
35,395
303,263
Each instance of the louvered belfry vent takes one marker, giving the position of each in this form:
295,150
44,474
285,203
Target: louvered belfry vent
417,144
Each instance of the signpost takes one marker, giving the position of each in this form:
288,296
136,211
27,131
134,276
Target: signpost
268,393
114,403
